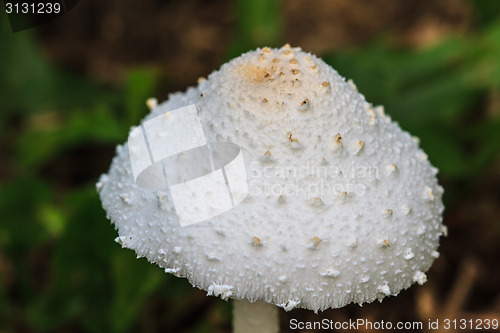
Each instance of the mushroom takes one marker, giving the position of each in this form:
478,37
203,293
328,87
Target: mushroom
342,206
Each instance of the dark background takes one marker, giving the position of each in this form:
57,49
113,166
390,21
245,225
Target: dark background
70,90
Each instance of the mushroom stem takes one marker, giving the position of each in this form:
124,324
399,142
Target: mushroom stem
254,317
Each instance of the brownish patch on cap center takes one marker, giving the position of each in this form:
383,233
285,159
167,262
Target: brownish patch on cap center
256,73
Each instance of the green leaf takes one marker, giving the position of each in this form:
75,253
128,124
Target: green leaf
40,143
133,282
20,207
260,23
140,85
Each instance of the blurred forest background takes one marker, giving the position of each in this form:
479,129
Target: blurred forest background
71,89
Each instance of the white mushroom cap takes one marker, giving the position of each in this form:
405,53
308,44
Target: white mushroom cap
343,205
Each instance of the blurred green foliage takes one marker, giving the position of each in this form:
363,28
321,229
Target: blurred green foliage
59,267
259,24
436,94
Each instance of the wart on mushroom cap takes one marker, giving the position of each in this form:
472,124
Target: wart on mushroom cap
314,240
